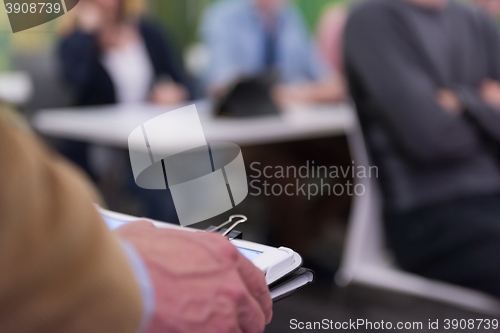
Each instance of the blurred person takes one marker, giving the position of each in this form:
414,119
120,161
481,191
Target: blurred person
63,270
113,55
329,34
253,37
110,54
425,76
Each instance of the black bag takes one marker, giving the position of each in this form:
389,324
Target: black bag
250,96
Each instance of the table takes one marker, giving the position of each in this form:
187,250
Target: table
111,125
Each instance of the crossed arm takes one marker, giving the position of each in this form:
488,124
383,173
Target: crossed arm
488,96
427,121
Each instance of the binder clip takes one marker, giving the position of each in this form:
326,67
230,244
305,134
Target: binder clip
229,232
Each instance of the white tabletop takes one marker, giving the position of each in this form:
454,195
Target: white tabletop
111,125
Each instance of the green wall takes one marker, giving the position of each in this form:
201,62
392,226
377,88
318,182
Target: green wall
181,17
312,10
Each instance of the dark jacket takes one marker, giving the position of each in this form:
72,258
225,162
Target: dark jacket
79,56
426,155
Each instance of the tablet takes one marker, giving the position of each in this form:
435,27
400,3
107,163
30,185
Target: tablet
275,263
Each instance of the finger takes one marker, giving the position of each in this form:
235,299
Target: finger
253,277
256,283
220,324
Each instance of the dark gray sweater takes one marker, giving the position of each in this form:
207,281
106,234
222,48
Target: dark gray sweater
397,55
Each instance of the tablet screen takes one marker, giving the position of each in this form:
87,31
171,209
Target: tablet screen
249,254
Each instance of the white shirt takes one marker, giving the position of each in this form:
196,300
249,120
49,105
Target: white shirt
131,72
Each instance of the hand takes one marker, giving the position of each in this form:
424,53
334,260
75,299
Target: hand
449,101
288,95
202,283
168,93
490,92
328,91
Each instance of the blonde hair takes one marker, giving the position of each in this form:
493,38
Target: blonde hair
135,8
131,10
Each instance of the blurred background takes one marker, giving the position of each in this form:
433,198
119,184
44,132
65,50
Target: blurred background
320,229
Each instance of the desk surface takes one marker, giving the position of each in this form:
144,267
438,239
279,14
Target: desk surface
111,125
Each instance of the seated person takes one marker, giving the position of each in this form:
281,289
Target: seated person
114,56
252,37
330,31
425,76
109,54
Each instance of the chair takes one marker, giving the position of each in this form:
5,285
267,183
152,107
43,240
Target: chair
15,87
48,88
366,261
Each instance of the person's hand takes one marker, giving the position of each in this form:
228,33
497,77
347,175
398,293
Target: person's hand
202,283
490,92
449,101
295,94
168,93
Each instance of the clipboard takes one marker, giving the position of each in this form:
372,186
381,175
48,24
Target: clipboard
284,276
291,283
